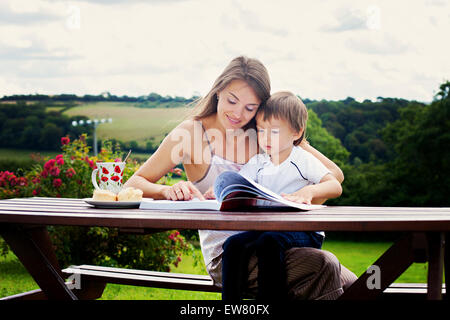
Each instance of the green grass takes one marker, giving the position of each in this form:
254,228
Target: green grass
357,256
130,122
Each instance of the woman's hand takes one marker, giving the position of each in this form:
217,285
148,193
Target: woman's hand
304,195
183,190
209,194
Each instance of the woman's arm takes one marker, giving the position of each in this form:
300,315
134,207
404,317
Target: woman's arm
171,152
335,170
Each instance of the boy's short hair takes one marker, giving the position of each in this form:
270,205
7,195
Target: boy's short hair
289,107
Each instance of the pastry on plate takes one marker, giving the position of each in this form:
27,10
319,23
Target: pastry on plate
104,195
130,194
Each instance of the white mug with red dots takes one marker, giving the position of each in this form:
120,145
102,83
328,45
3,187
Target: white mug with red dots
110,176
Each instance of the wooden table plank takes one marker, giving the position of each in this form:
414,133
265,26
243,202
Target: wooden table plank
76,212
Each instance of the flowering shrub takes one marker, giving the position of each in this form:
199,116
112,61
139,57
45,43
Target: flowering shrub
10,185
109,247
68,175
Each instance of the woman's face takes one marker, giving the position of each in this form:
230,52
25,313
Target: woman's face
237,104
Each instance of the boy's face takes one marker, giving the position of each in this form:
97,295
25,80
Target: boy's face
275,136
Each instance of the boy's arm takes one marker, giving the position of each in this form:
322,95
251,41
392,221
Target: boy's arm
329,187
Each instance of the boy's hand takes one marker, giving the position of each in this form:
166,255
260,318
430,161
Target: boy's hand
304,195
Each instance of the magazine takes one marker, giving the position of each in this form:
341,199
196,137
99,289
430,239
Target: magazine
233,191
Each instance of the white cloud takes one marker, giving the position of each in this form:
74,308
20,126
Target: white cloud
318,49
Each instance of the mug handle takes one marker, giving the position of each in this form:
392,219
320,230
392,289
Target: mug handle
94,178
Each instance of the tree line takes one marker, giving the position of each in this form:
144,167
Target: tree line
31,126
105,96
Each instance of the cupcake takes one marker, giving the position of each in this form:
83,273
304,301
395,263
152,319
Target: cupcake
130,194
104,195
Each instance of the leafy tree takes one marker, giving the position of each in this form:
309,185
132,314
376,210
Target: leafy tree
51,135
420,139
323,141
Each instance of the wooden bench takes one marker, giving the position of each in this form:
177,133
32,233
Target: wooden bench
193,282
156,279
407,291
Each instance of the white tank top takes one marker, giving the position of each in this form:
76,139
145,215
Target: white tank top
211,241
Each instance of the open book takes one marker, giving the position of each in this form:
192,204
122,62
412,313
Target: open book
233,191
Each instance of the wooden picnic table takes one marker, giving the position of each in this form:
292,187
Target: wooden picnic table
23,224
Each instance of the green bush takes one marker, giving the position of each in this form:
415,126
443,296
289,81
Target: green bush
68,175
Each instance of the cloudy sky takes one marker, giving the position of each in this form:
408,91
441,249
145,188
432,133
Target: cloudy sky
318,49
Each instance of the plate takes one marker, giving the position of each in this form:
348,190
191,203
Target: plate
112,204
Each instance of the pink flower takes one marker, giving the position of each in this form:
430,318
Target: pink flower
60,161
177,171
44,173
54,171
65,140
23,181
70,172
50,163
57,182
13,180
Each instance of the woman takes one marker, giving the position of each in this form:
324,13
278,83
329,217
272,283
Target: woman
220,136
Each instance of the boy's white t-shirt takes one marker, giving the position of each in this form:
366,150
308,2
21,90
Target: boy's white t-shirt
300,169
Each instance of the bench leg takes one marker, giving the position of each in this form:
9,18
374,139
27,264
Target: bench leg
435,265
90,290
34,249
447,265
391,265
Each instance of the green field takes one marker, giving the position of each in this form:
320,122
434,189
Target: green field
130,122
21,155
357,256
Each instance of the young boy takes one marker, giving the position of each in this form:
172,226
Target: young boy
290,171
